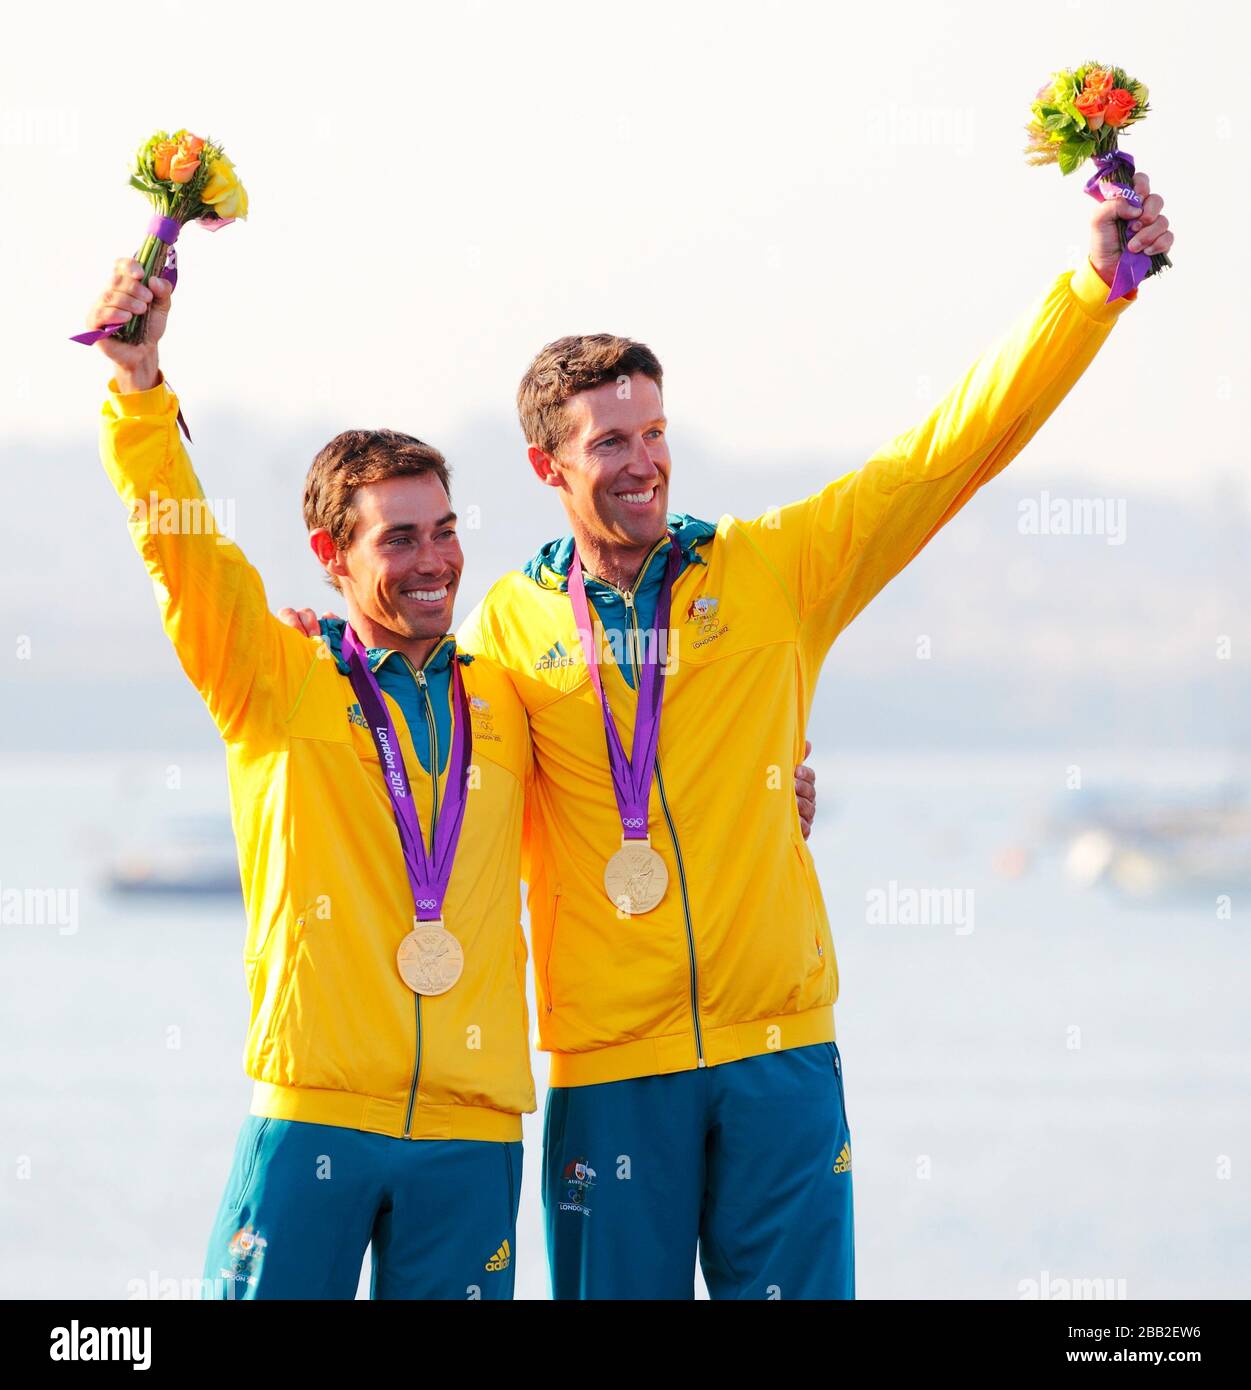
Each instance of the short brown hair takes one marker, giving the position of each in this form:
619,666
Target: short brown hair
355,459
568,366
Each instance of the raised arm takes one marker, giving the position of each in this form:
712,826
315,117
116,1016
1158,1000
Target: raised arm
834,551
246,665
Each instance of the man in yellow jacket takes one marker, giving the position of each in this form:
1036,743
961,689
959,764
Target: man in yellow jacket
684,963
377,778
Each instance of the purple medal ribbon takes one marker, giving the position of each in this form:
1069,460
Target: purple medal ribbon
632,776
165,229
1133,266
428,873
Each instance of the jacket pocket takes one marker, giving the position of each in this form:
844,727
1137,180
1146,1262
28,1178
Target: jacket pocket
514,1183
247,1158
557,901
814,947
271,980
838,1078
291,922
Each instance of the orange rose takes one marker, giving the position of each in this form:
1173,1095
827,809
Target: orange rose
161,158
1099,80
1091,105
1120,107
186,160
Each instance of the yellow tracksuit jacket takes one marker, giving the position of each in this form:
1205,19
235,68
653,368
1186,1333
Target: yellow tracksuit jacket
336,1037
737,959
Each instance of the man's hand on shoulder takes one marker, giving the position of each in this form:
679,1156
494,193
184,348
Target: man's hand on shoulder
303,620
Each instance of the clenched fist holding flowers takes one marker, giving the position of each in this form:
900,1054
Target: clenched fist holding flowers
188,179
1076,117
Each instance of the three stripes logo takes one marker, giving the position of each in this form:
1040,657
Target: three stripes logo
842,1164
554,658
501,1259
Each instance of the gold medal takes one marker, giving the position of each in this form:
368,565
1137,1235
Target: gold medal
430,958
635,878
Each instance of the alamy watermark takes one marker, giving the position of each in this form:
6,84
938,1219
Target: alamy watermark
1046,515
158,1287
1052,1287
895,126
39,907
186,516
894,906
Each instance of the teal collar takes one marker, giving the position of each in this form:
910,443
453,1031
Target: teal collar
438,661
548,567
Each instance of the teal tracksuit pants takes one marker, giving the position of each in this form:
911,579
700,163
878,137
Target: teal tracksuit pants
303,1202
748,1162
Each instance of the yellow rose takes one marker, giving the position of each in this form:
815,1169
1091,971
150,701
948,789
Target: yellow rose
222,190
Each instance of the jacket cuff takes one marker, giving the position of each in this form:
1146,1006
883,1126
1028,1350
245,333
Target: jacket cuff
156,400
1091,293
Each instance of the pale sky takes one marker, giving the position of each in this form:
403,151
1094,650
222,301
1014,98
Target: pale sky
815,214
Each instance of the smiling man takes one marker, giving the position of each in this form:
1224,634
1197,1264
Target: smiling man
376,776
685,967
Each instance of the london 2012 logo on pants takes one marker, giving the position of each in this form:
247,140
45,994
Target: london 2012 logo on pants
247,1250
579,1178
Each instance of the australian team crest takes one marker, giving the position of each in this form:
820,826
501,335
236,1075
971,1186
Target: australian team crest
246,1249
483,720
579,1179
705,613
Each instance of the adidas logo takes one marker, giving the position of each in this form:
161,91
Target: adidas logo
554,658
501,1259
842,1164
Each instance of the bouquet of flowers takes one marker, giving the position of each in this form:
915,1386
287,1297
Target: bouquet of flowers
188,180
1078,116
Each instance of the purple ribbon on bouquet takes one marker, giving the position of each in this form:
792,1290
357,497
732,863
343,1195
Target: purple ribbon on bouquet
631,776
165,229
1133,266
428,873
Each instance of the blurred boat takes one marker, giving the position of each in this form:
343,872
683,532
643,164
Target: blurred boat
1164,849
191,856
